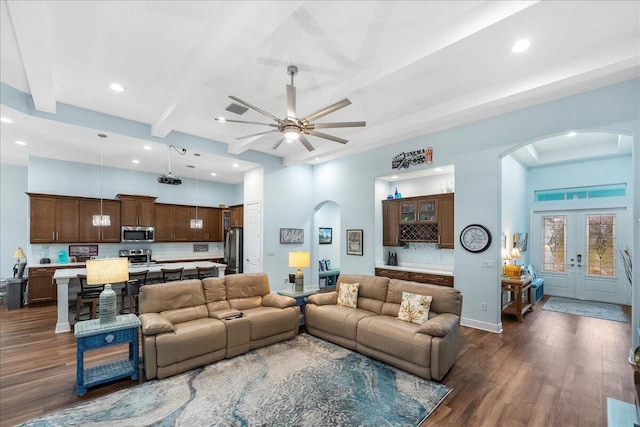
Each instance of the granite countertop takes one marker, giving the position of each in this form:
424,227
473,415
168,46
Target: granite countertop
441,270
168,257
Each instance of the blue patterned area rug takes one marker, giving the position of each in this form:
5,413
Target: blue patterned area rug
599,310
302,382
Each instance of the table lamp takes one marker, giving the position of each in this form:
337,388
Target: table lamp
515,255
105,272
506,257
18,255
299,260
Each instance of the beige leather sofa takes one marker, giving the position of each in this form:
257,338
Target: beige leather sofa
372,328
191,323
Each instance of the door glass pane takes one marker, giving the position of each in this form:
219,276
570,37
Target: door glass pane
554,243
601,244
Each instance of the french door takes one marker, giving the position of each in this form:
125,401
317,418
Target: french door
576,252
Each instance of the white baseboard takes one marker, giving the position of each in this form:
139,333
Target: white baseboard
484,326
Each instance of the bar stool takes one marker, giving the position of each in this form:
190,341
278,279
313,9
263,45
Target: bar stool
171,274
206,272
87,295
132,289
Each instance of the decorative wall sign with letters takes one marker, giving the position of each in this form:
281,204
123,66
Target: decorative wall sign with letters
411,158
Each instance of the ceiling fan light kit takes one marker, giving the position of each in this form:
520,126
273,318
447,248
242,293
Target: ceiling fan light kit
292,128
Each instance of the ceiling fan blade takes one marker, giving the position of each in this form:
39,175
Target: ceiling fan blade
246,122
326,110
258,134
277,144
291,101
339,125
254,108
303,139
331,137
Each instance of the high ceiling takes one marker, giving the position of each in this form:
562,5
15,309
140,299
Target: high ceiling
409,68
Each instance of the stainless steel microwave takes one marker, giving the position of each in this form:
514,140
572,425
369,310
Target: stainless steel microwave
137,234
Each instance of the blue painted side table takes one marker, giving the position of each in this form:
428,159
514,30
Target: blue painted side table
92,335
301,299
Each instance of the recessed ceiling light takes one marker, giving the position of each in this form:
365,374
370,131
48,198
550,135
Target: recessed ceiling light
147,147
572,133
21,143
235,165
394,177
213,174
521,46
221,119
116,87
6,120
136,161
437,170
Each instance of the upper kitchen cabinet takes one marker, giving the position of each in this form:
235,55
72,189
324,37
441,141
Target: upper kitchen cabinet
137,210
54,219
390,223
90,233
446,238
237,215
172,223
211,225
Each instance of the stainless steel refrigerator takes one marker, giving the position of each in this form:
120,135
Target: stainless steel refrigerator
233,250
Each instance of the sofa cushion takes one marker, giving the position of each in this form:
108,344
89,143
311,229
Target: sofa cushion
245,303
391,336
445,299
269,321
171,296
335,319
348,294
246,285
414,308
190,339
371,292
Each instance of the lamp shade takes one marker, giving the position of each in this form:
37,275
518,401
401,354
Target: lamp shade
299,259
101,220
515,253
19,253
111,270
506,255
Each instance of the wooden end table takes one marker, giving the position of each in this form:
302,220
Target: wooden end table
92,335
517,287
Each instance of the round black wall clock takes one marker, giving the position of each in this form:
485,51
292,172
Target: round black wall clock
475,238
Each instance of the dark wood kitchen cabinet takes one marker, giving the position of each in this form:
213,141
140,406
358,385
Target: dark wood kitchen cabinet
391,223
41,285
211,225
172,223
237,215
90,233
137,210
446,238
53,219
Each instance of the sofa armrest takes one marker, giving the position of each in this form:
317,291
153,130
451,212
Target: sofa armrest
324,298
230,313
155,323
278,301
440,325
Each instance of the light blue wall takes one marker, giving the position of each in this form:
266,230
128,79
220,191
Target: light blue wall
515,204
14,216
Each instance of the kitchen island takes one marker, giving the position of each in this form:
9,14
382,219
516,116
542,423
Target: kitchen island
63,276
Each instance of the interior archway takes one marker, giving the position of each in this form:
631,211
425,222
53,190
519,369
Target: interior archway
327,215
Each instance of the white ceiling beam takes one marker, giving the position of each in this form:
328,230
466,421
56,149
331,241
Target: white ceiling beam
188,89
31,22
482,17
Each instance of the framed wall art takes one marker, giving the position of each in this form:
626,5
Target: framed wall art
291,235
354,242
325,236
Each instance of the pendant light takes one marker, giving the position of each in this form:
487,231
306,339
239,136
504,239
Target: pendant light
101,220
196,222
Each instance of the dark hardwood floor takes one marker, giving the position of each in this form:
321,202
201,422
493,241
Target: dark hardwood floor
551,370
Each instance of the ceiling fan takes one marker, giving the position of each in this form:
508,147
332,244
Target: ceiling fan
291,126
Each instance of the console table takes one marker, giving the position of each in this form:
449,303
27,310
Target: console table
301,299
328,277
517,287
92,335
